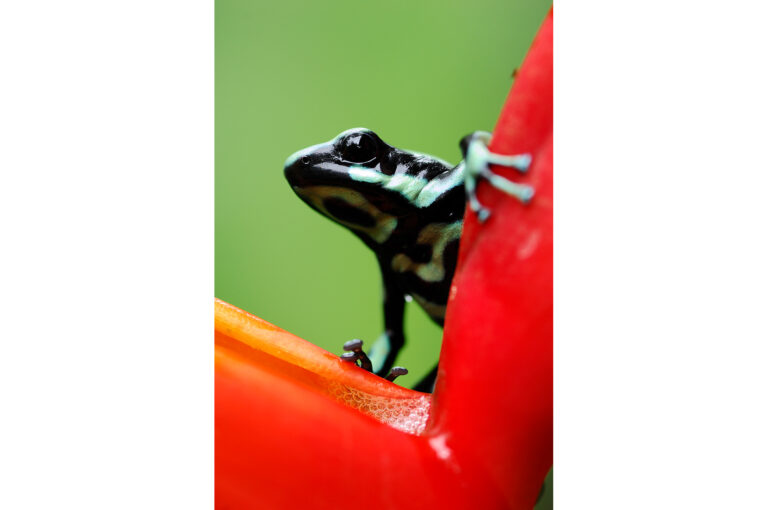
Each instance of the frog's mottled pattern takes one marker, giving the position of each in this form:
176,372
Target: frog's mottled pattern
407,207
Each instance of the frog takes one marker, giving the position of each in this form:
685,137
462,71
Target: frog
408,208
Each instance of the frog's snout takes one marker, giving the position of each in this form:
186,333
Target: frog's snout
293,166
296,156
297,164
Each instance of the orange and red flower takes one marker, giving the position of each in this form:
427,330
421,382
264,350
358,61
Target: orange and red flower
298,428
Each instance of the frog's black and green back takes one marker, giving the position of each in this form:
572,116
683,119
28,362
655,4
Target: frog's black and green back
407,207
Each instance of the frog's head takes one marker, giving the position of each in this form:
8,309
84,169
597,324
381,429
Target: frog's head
361,182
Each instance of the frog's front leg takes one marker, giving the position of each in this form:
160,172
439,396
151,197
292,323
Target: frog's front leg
386,348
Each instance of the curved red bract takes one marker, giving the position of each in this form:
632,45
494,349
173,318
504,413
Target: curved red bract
298,428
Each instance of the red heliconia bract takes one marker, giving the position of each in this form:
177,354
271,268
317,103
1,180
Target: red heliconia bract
298,428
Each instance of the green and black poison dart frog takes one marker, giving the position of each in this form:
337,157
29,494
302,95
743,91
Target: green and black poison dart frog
408,208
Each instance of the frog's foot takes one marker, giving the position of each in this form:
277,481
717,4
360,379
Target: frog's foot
477,166
354,353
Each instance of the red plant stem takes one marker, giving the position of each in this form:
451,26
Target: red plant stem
492,408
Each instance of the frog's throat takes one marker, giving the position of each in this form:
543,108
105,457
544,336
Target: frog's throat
384,224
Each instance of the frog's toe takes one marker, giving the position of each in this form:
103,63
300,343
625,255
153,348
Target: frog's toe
353,345
396,372
350,357
355,353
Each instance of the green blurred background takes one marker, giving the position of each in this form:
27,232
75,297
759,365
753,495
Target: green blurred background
294,73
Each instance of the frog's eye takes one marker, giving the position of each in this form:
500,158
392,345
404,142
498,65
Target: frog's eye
358,147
